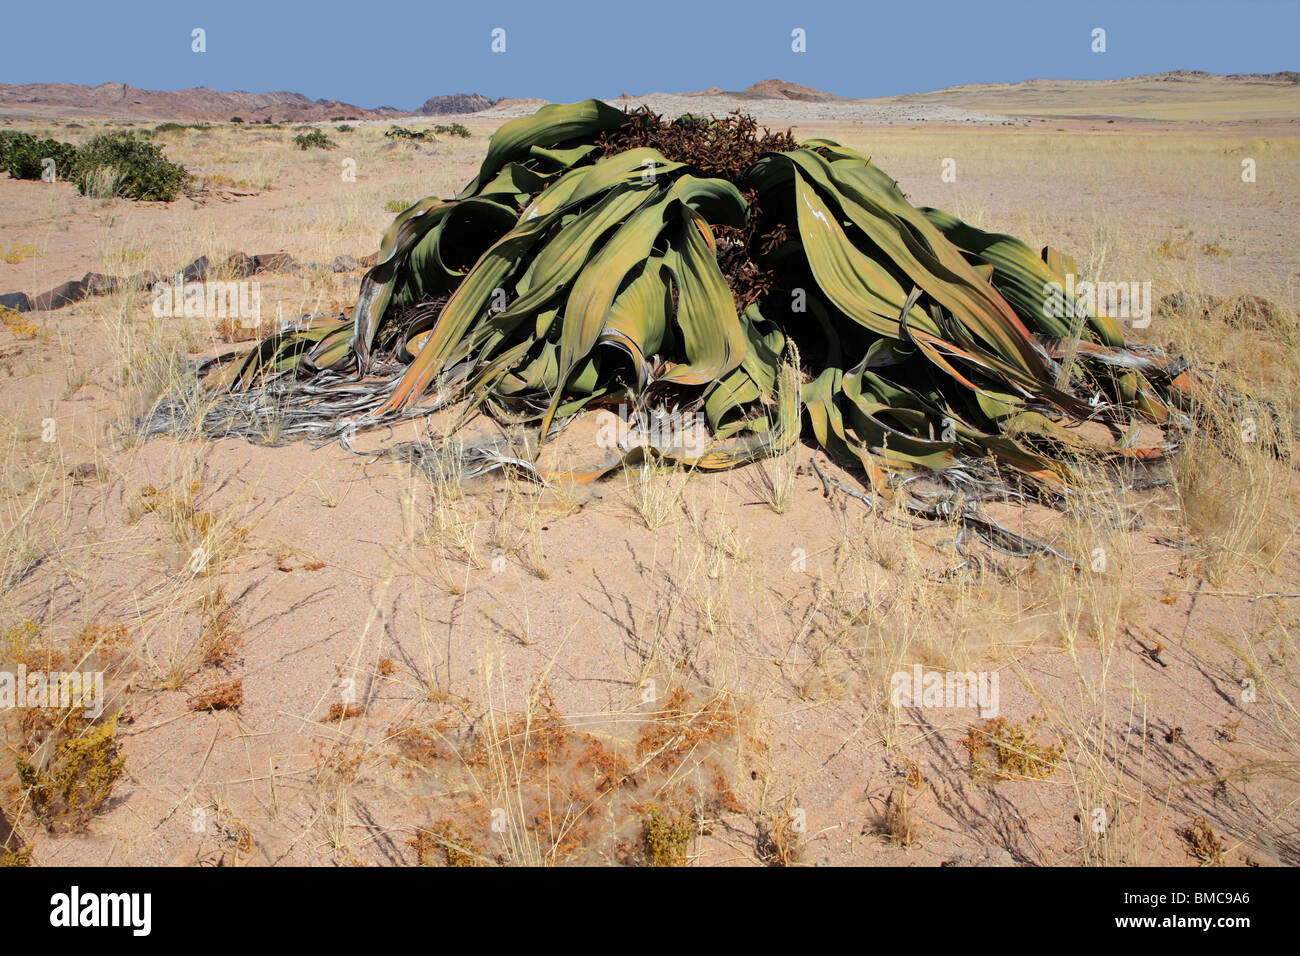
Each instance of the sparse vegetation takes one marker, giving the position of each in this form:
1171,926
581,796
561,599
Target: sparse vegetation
721,682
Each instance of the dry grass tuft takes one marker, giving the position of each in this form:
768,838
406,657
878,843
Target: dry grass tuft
223,695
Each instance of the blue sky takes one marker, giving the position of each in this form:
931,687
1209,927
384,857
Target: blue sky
398,53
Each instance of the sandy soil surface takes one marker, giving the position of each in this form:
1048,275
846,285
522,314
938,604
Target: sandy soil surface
1179,97
501,674
775,112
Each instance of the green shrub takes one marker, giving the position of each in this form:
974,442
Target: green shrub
8,138
78,781
312,139
401,132
143,171
134,167
170,127
21,155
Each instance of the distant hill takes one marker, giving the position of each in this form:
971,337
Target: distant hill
781,90
455,103
1177,95
762,90
122,101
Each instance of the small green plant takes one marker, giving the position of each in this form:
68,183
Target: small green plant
1010,751
397,205
78,781
16,322
17,642
312,139
16,857
16,254
667,838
